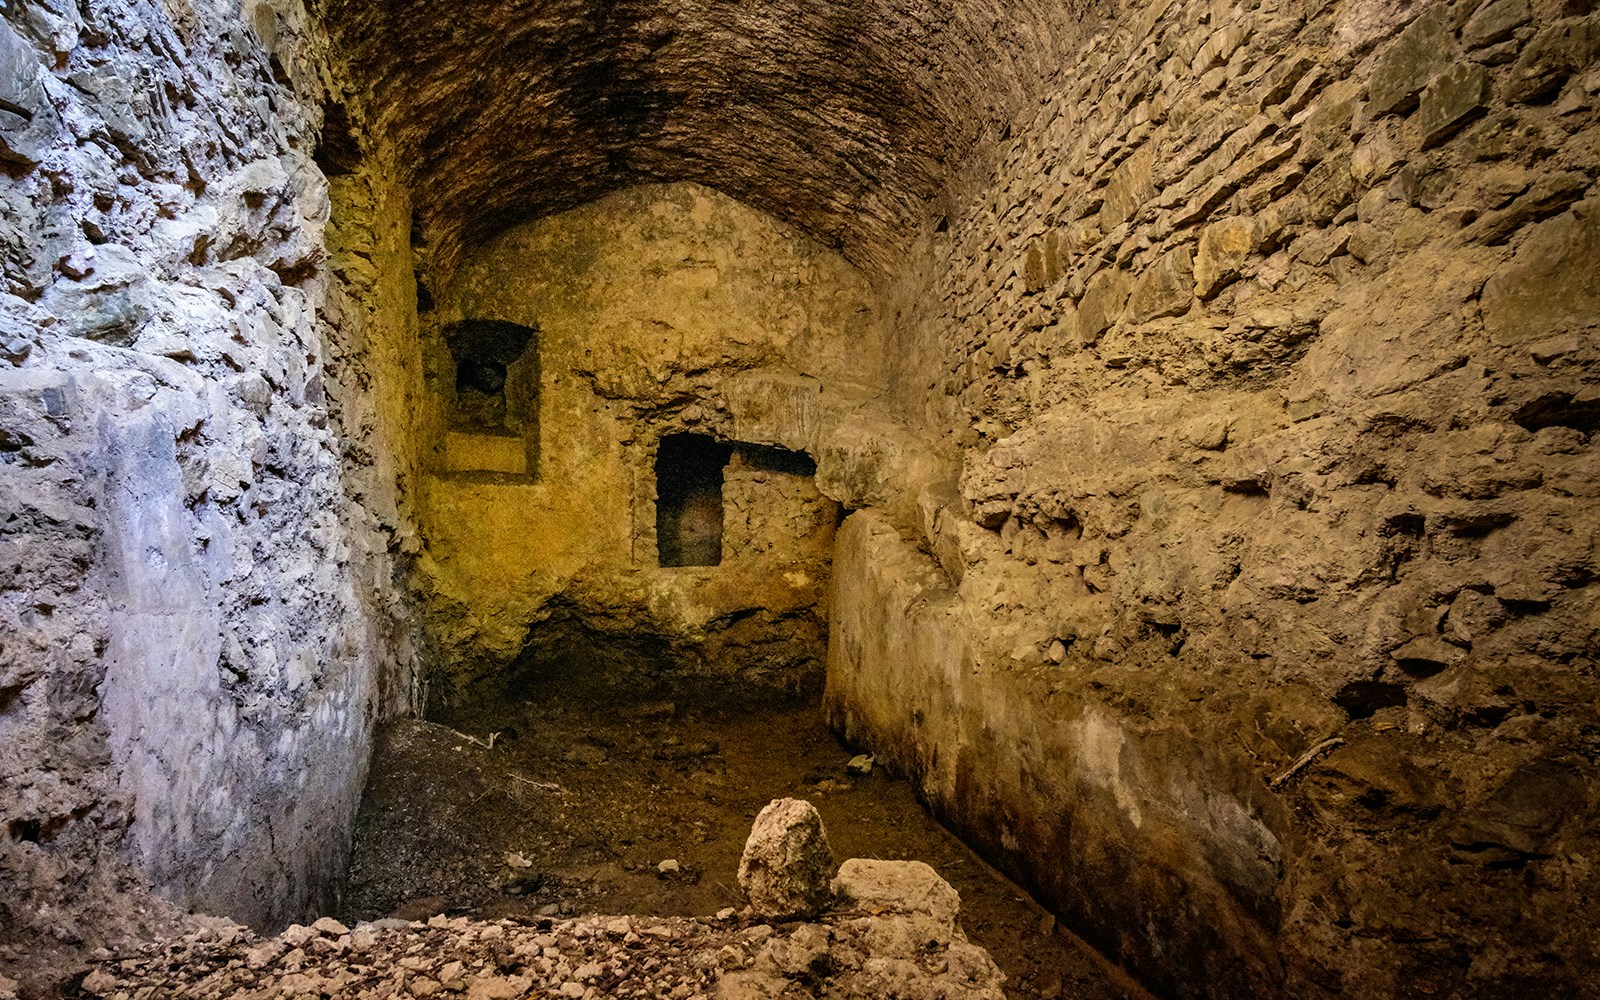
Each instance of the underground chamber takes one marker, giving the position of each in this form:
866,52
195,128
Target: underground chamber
1160,434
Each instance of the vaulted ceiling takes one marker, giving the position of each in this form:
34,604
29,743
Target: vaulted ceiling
842,117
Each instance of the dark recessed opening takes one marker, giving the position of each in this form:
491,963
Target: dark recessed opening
772,459
689,499
496,381
338,150
486,352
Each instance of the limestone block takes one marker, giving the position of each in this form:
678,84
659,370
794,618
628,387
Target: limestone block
1224,247
1456,96
1553,55
1328,188
1494,22
1033,272
1130,187
787,861
1102,303
1165,288
1552,284
1327,125
112,300
896,886
1083,235
1423,51
1281,82
20,91
24,106
118,92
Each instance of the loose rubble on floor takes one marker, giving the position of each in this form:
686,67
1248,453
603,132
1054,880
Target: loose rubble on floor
889,930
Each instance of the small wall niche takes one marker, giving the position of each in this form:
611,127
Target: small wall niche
689,499
494,413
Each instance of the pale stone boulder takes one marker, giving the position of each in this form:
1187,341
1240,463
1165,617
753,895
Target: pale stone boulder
787,861
910,887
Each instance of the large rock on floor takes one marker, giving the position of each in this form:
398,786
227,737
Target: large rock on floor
787,862
911,887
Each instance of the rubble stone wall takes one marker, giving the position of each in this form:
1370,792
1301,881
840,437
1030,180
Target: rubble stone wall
1258,627
200,622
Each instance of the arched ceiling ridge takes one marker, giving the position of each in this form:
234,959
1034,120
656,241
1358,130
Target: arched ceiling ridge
840,117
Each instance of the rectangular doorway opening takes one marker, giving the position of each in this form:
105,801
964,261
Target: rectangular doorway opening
689,499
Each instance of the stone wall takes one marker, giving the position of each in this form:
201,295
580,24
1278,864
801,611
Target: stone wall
1227,432
1258,628
657,310
200,624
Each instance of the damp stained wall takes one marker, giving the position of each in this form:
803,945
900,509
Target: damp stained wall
1255,623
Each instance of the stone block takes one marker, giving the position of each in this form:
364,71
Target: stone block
22,99
1495,22
1327,125
896,887
1033,276
1102,303
1224,247
1423,51
1455,97
1281,82
1165,288
1052,257
1553,55
1552,285
1129,189
787,862
1328,188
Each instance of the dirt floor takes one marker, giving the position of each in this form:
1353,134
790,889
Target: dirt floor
561,806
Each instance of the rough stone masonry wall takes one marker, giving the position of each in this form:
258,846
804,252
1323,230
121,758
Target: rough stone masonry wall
659,310
1267,349
198,619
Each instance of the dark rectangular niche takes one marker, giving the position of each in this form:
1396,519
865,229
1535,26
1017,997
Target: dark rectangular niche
689,499
496,394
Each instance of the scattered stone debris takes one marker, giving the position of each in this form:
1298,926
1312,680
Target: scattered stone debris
860,764
894,934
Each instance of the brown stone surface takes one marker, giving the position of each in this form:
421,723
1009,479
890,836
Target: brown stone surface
1255,632
1423,51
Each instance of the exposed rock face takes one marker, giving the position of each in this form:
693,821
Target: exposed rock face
787,863
199,622
650,305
